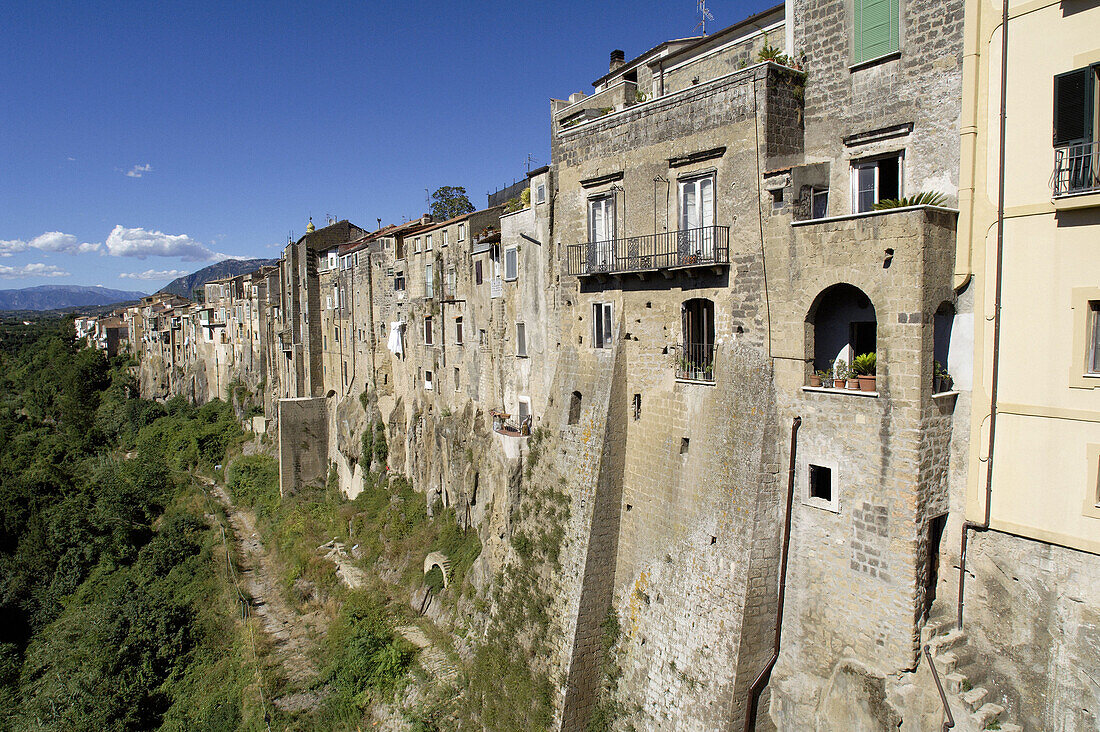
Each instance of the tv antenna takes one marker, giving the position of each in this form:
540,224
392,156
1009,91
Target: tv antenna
705,15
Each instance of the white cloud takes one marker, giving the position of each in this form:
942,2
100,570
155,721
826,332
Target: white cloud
51,241
55,241
154,274
141,243
12,246
34,269
138,170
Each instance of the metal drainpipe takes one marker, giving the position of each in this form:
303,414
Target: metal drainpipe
765,673
984,525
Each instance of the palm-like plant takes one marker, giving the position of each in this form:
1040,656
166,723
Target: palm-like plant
924,198
864,364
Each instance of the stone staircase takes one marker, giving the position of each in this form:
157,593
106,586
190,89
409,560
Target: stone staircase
435,662
964,679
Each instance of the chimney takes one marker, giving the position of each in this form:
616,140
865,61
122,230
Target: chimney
618,58
426,219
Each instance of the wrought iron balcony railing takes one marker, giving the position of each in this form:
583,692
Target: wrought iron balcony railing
702,247
1077,169
696,362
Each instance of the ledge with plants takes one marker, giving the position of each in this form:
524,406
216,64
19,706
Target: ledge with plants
859,377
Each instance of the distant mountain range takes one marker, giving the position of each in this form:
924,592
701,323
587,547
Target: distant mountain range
53,297
185,286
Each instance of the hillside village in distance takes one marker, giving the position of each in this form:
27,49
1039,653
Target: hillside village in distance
804,315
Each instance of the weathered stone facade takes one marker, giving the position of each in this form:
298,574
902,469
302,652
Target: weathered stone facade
701,246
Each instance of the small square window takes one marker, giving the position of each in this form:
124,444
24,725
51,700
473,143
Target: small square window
457,382
428,380
684,442
821,483
540,193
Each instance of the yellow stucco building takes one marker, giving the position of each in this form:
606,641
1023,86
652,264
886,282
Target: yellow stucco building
1038,386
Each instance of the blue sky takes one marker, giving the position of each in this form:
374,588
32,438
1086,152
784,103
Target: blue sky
144,140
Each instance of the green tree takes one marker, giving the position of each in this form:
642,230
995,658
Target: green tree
449,202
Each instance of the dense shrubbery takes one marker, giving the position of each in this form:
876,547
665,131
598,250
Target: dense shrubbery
365,660
107,602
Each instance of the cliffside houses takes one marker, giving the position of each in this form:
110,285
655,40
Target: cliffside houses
728,224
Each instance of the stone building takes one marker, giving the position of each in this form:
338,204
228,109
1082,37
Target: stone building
719,245
729,223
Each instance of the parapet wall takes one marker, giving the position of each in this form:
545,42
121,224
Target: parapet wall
303,442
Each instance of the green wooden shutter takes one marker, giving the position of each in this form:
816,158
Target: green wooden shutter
1073,107
876,28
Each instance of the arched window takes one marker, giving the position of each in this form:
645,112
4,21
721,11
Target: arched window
843,326
942,324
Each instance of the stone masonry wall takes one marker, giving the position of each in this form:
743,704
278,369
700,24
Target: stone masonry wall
303,443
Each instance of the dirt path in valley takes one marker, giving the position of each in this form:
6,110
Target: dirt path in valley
292,633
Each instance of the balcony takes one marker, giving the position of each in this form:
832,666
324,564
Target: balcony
696,362
1077,169
706,246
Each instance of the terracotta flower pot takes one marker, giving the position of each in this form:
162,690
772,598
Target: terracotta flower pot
838,383
815,381
867,383
853,384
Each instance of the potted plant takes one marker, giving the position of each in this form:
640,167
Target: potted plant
840,373
863,366
816,378
853,380
941,380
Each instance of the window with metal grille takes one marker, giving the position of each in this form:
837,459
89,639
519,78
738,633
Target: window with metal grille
1076,135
